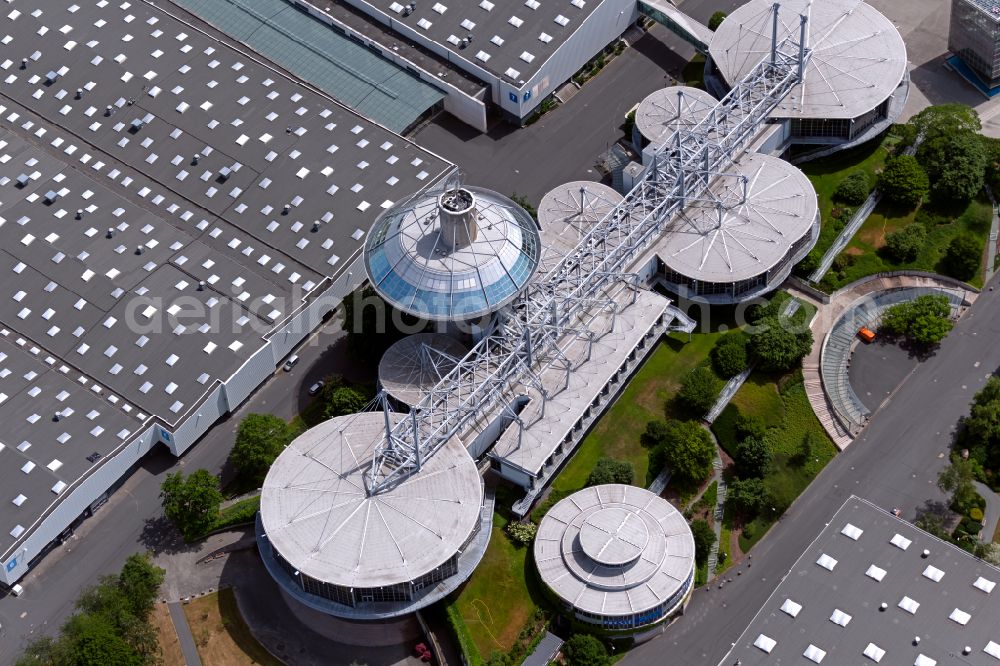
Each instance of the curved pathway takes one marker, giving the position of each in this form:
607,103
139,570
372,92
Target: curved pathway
827,315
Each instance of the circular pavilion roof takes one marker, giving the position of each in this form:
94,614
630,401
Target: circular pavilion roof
412,266
858,57
414,365
567,212
614,550
317,514
724,237
669,109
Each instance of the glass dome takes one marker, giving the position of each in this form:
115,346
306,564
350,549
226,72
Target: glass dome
452,253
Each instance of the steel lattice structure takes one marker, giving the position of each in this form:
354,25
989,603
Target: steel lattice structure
556,308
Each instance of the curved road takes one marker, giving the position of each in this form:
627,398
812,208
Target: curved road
895,462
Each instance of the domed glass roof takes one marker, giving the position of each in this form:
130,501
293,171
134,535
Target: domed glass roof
443,258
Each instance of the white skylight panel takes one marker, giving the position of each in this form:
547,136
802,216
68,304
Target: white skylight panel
17,531
960,616
439,8
874,652
992,649
468,25
791,608
561,20
933,573
512,73
396,7
765,643
839,617
909,605
483,56
924,660
900,541
514,21
851,532
532,4
424,23
545,37
826,562
487,5
578,3
527,57
453,40
19,500
876,573
497,40
984,585
59,487
814,654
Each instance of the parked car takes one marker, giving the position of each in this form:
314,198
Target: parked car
316,388
290,363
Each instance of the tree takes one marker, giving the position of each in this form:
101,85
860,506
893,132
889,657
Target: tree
748,425
747,496
192,503
753,457
260,438
903,245
688,451
903,181
585,650
955,164
776,347
655,434
729,355
946,119
371,324
704,538
933,524
716,20
140,582
981,431
699,390
95,643
609,470
957,479
854,189
925,321
963,257
344,400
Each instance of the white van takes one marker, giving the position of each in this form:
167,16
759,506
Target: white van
17,590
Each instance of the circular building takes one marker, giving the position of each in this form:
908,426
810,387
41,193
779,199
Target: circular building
667,110
452,253
744,236
616,556
568,212
414,365
332,546
855,83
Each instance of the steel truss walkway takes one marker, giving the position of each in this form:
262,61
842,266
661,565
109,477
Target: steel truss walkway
557,309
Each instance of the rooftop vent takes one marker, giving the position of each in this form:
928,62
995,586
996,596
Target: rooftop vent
24,63
51,78
94,457
201,285
23,180
925,554
139,249
79,93
51,197
224,174
135,125
111,233
108,110
79,213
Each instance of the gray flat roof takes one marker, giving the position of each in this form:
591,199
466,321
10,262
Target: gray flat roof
411,367
664,111
743,237
533,27
946,598
858,57
318,515
344,69
108,227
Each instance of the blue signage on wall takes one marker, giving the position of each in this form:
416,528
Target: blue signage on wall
512,96
164,435
12,564
527,95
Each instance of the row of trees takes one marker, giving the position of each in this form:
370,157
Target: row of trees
111,624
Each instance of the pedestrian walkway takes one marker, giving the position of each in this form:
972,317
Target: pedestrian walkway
992,513
994,241
184,634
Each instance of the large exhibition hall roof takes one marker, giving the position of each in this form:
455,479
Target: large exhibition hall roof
858,57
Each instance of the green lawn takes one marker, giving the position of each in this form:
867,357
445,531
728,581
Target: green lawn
791,471
500,597
861,257
826,173
616,434
724,537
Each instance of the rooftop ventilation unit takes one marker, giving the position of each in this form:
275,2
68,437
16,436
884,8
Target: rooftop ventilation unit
51,78
135,125
224,174
22,180
51,197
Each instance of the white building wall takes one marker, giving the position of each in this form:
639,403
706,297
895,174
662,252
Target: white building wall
609,20
73,503
197,423
470,110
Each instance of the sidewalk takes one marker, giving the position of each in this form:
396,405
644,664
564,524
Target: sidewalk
184,634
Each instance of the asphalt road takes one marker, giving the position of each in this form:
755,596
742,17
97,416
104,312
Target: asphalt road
894,463
132,521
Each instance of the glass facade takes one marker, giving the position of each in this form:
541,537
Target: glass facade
839,128
975,37
638,620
